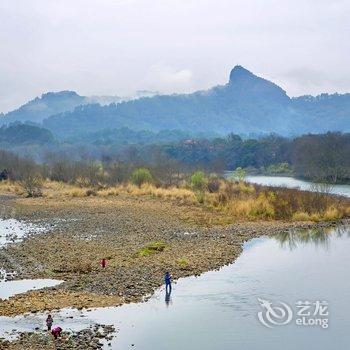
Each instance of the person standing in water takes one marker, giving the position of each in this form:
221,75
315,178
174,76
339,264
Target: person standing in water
49,322
167,280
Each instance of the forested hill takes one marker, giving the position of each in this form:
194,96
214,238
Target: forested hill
24,134
42,107
246,104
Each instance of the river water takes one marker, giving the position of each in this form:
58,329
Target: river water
13,231
291,182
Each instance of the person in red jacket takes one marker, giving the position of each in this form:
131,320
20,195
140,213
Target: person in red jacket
56,332
104,263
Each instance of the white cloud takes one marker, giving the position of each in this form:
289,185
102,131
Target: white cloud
167,74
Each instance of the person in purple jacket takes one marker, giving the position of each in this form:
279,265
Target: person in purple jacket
56,332
49,322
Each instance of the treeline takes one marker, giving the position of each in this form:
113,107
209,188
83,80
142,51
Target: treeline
322,157
91,173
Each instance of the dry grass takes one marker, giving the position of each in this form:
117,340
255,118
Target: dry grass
232,201
11,187
301,216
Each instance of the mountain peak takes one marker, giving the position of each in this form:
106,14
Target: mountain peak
238,72
244,83
58,94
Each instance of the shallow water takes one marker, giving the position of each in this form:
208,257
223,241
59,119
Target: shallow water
10,288
13,231
218,310
291,182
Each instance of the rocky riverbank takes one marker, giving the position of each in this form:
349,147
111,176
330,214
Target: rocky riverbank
86,339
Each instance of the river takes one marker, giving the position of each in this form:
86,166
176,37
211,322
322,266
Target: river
291,182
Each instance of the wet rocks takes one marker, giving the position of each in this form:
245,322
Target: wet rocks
86,339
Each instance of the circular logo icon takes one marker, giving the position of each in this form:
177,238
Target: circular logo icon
274,315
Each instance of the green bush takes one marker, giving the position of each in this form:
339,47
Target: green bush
141,176
280,168
198,181
238,175
183,263
152,248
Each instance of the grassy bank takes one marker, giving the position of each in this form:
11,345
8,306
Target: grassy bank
217,200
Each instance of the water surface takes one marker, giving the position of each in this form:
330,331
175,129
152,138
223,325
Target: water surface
13,231
291,182
11,288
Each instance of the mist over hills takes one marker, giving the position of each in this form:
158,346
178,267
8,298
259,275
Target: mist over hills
246,104
52,103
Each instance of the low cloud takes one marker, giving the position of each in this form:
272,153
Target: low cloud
168,74
164,77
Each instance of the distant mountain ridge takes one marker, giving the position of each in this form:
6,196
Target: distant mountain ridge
52,103
246,104
44,106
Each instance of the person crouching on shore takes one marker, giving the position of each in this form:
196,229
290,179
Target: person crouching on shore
56,332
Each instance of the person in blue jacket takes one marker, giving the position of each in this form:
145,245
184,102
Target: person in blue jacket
167,280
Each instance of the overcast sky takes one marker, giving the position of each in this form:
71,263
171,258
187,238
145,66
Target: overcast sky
115,47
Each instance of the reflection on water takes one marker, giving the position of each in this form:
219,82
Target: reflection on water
167,297
320,237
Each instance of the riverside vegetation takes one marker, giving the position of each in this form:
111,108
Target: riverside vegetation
221,200
144,221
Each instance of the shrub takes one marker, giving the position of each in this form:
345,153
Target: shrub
213,185
262,208
76,192
32,184
91,192
183,263
315,217
238,175
301,216
152,248
198,181
141,176
331,214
